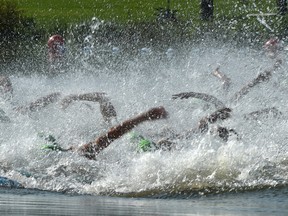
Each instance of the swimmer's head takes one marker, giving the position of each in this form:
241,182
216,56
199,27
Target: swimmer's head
56,46
272,47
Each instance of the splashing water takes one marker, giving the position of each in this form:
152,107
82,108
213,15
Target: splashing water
198,165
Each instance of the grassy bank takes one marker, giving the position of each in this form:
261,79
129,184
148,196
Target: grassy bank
47,12
138,23
231,17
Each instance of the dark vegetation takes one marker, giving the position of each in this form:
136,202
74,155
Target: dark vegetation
16,31
23,29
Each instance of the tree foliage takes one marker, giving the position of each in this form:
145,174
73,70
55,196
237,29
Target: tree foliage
207,9
282,6
10,19
13,23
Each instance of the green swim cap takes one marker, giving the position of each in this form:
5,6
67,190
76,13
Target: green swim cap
52,147
145,145
51,142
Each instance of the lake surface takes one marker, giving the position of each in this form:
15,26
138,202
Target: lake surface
29,202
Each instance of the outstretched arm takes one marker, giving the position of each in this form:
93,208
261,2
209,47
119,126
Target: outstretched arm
91,149
40,103
272,111
94,97
106,108
262,77
206,97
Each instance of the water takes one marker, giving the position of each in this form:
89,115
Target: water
30,202
202,175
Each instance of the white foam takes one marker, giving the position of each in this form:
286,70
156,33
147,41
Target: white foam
141,85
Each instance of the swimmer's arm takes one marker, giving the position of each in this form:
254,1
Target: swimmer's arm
40,103
206,97
262,77
107,109
91,149
273,111
94,97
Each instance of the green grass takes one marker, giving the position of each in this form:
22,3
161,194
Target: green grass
230,18
134,21
54,15
71,11
47,12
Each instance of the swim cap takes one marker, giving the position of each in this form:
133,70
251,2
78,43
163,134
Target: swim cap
272,47
56,48
272,43
145,145
55,39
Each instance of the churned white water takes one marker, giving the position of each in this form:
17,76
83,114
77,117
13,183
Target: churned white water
198,164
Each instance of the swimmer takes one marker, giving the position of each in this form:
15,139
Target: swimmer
272,48
93,148
56,54
262,77
56,48
107,110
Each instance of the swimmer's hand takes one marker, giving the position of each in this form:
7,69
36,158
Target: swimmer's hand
156,113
